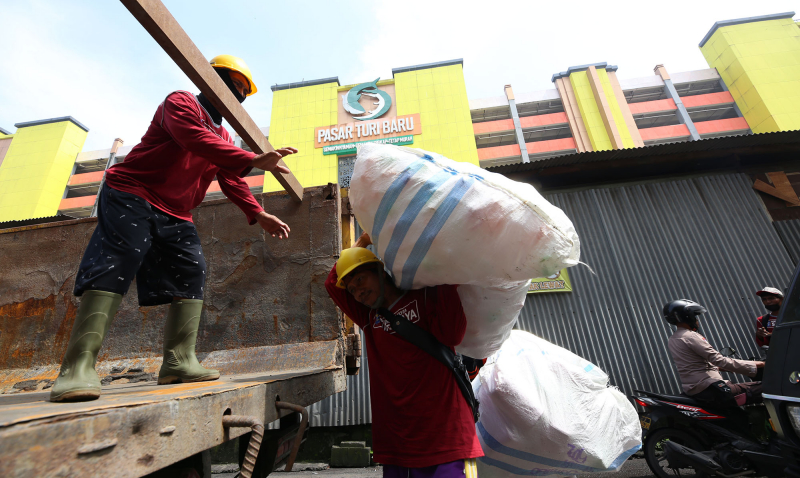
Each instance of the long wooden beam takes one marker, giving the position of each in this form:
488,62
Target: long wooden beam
165,30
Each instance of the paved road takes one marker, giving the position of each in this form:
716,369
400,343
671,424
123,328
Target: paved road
635,468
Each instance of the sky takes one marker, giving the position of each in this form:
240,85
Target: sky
90,59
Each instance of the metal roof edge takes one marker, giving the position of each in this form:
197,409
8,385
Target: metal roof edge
573,69
301,84
425,66
59,219
739,21
721,142
53,120
5,132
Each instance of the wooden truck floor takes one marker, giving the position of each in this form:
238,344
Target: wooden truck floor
135,429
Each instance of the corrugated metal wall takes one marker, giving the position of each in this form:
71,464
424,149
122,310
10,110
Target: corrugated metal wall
706,239
350,407
790,233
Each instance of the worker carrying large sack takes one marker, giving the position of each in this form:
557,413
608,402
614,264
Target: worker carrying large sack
546,411
437,221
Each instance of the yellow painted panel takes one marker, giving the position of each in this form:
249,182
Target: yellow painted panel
590,111
36,169
295,114
440,96
757,114
760,62
767,126
616,111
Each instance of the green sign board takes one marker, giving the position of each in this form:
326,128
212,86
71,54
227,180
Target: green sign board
555,283
350,148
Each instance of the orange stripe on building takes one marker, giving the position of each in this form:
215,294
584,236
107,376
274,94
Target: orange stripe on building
543,120
573,113
493,126
719,126
562,144
525,122
663,132
652,106
537,147
86,178
709,99
74,203
496,152
252,181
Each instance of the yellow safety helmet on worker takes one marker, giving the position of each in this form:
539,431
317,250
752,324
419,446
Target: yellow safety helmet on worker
350,260
230,62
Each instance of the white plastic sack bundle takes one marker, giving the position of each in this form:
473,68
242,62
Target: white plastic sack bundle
546,411
438,221
491,314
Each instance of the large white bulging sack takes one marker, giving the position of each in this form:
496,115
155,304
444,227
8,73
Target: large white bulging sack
491,314
438,221
546,411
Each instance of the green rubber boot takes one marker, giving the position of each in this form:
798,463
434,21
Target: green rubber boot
77,381
180,335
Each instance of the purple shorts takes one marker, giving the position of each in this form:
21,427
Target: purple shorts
453,469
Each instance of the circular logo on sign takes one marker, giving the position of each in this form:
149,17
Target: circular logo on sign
352,106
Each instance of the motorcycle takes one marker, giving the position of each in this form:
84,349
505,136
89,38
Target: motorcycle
683,437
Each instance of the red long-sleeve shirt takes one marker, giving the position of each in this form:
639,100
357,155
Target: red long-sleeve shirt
419,416
178,158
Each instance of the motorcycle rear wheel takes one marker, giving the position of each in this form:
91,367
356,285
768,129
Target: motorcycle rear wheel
657,461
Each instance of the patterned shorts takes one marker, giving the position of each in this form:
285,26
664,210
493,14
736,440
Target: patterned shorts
134,239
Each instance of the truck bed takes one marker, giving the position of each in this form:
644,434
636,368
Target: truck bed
28,407
268,326
135,429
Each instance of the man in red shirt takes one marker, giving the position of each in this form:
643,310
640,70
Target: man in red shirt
144,230
422,426
772,299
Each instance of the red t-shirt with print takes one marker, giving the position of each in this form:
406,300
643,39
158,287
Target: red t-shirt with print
419,416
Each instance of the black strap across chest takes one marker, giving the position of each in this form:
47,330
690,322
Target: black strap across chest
425,340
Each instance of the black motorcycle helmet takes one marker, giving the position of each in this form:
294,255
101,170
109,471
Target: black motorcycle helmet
683,310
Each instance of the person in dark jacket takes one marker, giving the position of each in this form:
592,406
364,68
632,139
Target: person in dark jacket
772,299
145,230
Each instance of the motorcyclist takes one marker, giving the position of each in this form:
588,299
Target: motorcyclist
772,299
699,363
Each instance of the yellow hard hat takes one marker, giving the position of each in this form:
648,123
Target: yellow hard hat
350,260
231,62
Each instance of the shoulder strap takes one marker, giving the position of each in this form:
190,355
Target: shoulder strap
427,342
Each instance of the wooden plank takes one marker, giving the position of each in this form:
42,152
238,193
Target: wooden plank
626,110
574,117
165,30
782,188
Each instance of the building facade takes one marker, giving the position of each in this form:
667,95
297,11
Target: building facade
671,191
752,85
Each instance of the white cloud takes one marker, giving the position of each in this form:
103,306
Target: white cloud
93,61
524,42
48,73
